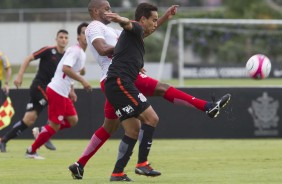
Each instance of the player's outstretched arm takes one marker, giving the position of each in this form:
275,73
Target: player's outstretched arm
25,64
123,21
170,12
6,87
72,74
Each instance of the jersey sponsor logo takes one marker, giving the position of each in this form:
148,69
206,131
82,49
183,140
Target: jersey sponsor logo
142,97
128,109
54,51
42,102
118,113
29,106
143,75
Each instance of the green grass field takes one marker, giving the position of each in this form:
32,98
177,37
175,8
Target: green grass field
213,161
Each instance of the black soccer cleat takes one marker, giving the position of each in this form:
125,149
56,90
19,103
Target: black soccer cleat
120,177
213,111
146,170
76,171
49,145
3,147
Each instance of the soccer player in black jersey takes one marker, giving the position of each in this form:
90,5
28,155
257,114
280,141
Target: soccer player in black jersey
49,57
102,39
130,104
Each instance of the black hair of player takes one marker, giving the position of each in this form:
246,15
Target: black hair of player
62,31
144,9
80,26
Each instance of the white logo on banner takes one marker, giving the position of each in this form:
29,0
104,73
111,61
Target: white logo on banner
264,112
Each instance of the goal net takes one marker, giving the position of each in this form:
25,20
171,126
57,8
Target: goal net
219,42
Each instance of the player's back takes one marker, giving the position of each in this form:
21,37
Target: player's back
95,30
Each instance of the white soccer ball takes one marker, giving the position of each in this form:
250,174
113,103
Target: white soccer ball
258,66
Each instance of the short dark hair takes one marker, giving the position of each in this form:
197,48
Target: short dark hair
144,9
80,26
62,31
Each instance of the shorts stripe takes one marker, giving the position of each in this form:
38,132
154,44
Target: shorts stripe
126,92
42,91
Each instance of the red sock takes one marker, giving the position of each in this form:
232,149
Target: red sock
178,97
43,137
97,140
65,124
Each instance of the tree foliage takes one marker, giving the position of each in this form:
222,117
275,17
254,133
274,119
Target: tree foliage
231,43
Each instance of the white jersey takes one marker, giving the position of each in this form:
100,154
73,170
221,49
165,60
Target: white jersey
75,58
97,29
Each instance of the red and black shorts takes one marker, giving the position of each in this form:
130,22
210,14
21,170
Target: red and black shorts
127,100
145,84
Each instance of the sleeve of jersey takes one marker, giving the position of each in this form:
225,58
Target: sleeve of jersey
40,53
71,56
95,31
137,29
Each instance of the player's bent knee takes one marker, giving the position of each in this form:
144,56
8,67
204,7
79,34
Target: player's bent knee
160,89
132,134
153,121
111,125
72,121
29,118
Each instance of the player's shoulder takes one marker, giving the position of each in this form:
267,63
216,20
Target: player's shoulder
95,25
48,47
74,48
45,49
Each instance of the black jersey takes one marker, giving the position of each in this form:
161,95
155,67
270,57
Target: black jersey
49,60
128,54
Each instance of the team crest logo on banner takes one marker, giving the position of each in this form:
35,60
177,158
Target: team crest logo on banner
6,113
264,113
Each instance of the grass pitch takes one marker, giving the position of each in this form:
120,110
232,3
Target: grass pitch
213,161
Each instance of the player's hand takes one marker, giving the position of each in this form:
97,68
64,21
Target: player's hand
87,86
18,82
113,16
143,71
171,11
6,89
123,21
73,96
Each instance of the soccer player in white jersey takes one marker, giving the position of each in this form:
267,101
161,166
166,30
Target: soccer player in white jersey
60,92
102,40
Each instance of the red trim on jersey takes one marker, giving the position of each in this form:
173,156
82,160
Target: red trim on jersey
42,50
126,92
